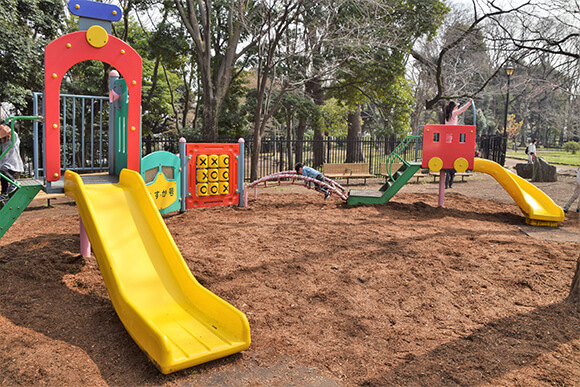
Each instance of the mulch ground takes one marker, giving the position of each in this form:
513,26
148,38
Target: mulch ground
400,294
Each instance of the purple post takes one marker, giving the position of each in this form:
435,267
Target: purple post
85,244
441,188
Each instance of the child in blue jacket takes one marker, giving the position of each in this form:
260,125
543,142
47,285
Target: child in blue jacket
313,174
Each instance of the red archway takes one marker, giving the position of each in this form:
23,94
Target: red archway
61,55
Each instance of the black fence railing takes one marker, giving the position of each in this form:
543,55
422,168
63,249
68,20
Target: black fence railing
493,147
279,154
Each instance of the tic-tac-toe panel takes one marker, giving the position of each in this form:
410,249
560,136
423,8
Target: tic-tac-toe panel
213,175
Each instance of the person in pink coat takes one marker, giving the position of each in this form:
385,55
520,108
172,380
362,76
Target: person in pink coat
452,112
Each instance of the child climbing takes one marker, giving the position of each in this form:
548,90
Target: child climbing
313,174
11,164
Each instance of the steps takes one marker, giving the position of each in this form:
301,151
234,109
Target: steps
388,190
17,203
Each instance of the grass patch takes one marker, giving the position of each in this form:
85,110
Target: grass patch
552,156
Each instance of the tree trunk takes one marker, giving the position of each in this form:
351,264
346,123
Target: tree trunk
574,295
314,91
318,149
354,151
186,99
300,129
416,116
289,143
255,153
210,119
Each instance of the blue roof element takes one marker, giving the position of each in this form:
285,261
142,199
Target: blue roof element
95,10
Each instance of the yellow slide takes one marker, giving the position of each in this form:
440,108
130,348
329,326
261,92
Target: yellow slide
177,322
539,208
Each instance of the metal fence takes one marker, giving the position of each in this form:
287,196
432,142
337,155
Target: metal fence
85,145
493,147
279,154
84,135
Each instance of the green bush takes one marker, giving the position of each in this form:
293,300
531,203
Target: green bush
571,146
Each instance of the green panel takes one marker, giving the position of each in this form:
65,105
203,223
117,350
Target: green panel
16,205
159,169
121,129
389,189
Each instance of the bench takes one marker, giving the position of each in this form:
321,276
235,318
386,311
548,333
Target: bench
462,174
420,174
347,171
48,197
394,168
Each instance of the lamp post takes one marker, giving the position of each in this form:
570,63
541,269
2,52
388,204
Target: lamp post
509,70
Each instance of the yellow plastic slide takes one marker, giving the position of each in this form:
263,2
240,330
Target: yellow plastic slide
177,322
539,208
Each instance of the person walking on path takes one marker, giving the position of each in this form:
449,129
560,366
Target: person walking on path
532,151
575,194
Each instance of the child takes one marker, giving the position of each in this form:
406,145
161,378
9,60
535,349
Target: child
313,174
11,164
575,194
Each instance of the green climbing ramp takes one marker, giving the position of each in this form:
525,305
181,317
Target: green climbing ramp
395,181
388,190
17,202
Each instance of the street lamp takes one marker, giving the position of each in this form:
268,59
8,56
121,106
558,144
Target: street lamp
509,70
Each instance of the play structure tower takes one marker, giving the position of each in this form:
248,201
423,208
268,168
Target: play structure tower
448,147
177,322
94,43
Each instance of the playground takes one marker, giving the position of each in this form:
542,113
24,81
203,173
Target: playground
404,293
155,272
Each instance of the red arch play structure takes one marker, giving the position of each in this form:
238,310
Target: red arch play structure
333,187
68,50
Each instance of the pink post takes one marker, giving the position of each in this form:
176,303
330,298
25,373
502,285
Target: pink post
85,244
441,188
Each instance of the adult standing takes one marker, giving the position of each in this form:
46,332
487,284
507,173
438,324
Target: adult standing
532,151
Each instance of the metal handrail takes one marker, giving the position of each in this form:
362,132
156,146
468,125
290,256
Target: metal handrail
396,153
10,121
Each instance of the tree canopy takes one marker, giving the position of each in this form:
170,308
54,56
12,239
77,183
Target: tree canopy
230,68
26,27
